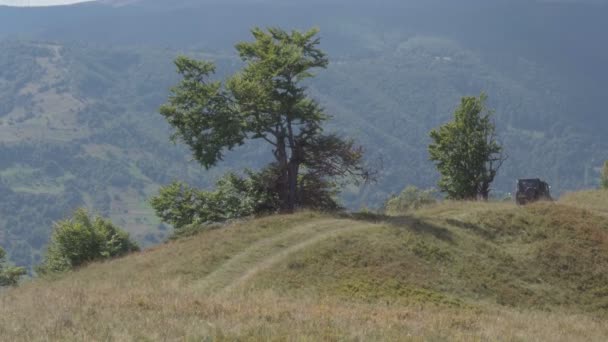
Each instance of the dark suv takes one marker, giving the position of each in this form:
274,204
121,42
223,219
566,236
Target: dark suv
532,190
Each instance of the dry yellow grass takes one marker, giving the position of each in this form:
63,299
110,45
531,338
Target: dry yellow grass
233,284
594,200
166,311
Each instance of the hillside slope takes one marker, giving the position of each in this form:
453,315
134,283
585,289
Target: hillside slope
457,270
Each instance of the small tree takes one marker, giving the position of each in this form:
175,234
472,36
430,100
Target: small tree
265,101
9,275
604,177
83,239
466,151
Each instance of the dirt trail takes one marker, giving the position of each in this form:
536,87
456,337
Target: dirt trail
267,252
281,255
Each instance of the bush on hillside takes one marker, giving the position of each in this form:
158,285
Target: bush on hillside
236,197
83,239
9,275
409,199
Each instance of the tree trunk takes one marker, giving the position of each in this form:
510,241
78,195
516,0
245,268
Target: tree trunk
484,191
283,183
293,170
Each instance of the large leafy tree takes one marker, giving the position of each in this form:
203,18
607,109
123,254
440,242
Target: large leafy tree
466,151
265,100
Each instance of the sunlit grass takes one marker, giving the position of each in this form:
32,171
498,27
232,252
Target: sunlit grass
595,200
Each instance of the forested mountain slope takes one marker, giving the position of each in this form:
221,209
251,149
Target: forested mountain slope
80,87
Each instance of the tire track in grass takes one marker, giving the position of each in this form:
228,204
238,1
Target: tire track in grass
240,264
275,258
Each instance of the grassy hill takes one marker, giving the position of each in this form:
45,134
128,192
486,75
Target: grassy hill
454,271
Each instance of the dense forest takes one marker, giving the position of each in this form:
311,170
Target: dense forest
80,89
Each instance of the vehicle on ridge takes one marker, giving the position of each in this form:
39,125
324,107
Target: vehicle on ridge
532,190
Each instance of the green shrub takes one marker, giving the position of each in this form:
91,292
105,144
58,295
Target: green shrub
236,197
411,198
9,275
83,239
178,204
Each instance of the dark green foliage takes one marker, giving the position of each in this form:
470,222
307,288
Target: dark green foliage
317,193
82,239
9,275
466,151
314,190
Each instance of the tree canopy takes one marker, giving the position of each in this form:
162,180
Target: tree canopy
466,151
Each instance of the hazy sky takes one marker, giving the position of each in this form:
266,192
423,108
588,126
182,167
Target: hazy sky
38,2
